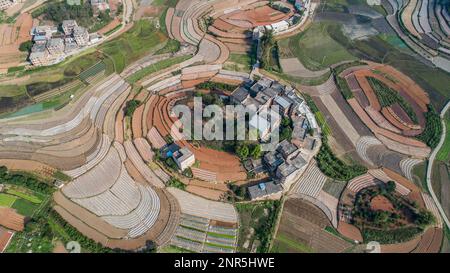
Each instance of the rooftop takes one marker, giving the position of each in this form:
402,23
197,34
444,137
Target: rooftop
273,159
286,148
285,170
309,143
240,94
264,189
38,48
55,42
284,102
182,154
79,30
298,161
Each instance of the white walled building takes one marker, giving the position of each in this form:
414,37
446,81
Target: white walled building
81,36
184,158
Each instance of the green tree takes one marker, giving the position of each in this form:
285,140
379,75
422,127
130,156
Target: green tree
424,218
242,151
256,151
26,46
131,106
390,186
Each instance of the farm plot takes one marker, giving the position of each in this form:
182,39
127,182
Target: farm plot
197,234
256,227
315,49
133,44
23,200
304,228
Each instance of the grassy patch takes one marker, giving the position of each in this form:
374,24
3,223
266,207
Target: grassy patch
171,46
111,31
284,244
221,235
133,44
25,207
61,176
174,182
419,175
7,200
315,48
156,67
219,245
239,62
80,64
336,233
257,222
12,90
300,80
26,196
174,249
444,152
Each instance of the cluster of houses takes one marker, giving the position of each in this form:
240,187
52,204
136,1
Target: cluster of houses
50,46
287,161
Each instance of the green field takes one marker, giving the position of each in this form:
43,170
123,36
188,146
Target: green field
25,201
133,44
221,235
444,152
388,97
156,67
284,244
314,48
12,90
419,175
29,197
259,217
25,207
7,200
171,46
239,62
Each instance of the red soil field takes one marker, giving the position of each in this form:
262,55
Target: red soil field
405,247
349,231
259,16
5,237
405,82
114,23
9,218
378,130
380,202
205,192
430,242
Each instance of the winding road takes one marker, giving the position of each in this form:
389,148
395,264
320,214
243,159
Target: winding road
430,166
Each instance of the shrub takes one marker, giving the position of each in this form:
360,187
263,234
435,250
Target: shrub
26,46
335,168
433,128
174,182
131,106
